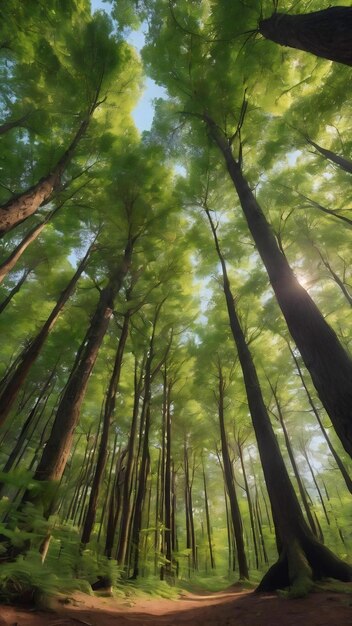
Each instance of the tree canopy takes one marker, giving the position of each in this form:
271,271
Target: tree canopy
175,307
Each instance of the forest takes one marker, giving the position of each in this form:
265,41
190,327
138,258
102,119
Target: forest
175,303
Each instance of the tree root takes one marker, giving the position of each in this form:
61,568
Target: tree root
300,564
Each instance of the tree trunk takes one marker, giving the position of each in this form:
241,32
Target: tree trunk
302,557
167,498
125,506
337,159
250,505
297,475
10,392
103,448
58,447
230,484
25,430
207,517
15,290
325,33
9,263
25,204
329,365
338,460
6,126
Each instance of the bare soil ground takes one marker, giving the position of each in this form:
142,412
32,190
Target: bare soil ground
232,607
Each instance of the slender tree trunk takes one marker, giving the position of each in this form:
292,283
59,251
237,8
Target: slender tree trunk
15,290
329,365
58,447
109,487
126,506
320,495
115,503
230,484
302,556
24,433
9,263
338,460
10,392
207,517
250,505
297,475
337,159
325,33
103,448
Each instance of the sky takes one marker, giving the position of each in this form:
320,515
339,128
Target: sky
143,112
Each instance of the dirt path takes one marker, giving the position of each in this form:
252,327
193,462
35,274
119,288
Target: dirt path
230,608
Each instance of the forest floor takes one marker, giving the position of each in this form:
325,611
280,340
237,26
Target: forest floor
233,607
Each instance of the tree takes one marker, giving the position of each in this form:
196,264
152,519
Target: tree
326,33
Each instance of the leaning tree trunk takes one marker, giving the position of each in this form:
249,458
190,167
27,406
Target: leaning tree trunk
10,392
302,557
9,263
328,363
126,489
25,204
57,450
15,290
326,33
337,159
103,447
230,484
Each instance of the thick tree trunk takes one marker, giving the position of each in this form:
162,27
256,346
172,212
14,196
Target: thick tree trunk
302,557
325,358
10,392
230,483
22,206
103,448
326,33
58,447
15,290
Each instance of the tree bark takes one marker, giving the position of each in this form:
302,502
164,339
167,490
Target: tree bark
325,33
230,484
325,358
297,475
15,290
103,448
338,460
25,204
126,506
337,159
6,126
250,505
302,557
58,447
207,517
10,392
